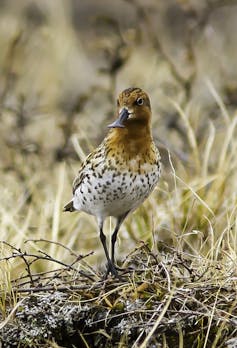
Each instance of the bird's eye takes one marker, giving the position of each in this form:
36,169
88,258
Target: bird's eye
139,101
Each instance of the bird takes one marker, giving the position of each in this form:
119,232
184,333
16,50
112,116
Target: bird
117,177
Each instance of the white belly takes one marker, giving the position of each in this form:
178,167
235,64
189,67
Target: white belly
113,194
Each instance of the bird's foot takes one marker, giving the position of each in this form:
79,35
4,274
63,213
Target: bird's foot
112,269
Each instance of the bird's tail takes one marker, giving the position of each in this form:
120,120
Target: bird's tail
69,207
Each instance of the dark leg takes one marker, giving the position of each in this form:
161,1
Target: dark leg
110,265
103,241
114,236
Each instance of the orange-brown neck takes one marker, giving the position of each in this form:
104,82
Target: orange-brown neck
132,140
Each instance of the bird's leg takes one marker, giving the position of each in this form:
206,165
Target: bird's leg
114,237
113,241
103,241
110,266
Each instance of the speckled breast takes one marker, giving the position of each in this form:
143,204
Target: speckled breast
111,192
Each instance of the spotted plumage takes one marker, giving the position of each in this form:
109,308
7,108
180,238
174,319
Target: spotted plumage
121,173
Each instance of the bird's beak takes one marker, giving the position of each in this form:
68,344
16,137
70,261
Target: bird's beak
123,116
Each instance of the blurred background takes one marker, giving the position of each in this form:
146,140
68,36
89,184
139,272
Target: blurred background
62,64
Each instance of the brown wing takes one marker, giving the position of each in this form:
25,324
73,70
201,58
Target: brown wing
88,166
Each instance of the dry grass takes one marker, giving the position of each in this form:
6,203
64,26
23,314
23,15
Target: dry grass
164,297
55,103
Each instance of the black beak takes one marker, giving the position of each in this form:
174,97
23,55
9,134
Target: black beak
123,116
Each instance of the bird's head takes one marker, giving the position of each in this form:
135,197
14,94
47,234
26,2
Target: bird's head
133,109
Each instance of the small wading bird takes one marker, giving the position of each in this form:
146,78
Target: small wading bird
121,173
